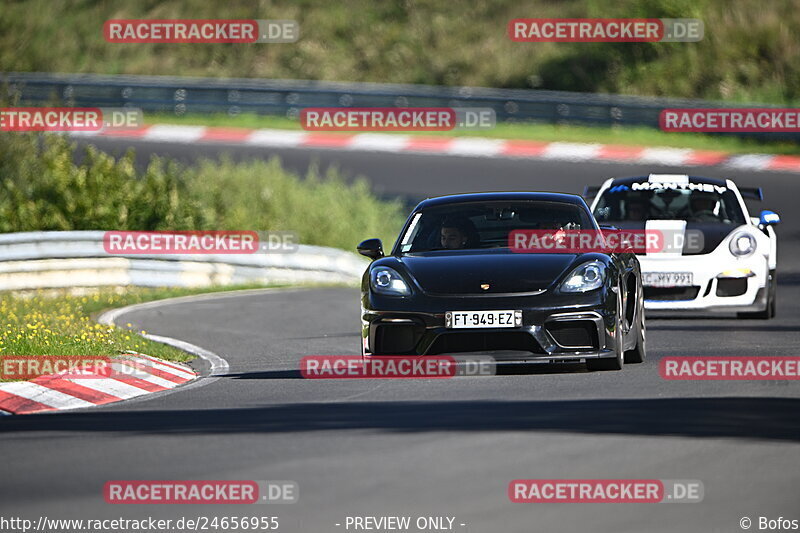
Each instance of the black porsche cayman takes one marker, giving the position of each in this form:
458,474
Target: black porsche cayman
453,284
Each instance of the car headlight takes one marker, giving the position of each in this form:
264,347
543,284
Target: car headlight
587,277
385,280
742,244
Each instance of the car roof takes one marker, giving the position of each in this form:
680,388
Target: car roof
501,196
666,177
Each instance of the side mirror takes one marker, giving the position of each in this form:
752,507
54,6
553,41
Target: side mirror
372,248
769,218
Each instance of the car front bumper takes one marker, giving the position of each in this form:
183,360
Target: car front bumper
554,327
724,284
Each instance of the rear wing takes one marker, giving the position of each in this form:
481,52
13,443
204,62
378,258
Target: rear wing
752,193
590,192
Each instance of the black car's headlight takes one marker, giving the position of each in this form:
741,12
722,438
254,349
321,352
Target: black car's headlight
742,244
385,280
587,277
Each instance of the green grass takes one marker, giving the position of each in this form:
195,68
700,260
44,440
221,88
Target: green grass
634,136
42,188
43,323
750,51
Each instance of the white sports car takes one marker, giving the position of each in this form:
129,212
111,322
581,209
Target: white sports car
717,257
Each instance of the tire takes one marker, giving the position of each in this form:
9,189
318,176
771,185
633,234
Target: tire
639,352
772,297
617,362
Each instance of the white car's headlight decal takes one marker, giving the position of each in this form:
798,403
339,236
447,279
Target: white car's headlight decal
742,244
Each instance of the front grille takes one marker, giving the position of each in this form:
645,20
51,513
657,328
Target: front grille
731,286
671,293
396,338
477,341
574,333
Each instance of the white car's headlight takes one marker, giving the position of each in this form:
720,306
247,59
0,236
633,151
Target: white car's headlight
385,280
742,244
587,277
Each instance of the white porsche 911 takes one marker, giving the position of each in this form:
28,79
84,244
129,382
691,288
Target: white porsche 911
724,260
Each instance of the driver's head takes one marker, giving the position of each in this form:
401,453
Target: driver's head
636,209
702,201
454,233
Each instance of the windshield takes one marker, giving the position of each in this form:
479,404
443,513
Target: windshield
639,202
467,226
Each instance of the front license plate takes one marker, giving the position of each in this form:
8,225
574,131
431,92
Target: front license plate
668,279
483,319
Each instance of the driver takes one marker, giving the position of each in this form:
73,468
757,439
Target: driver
454,233
637,208
702,206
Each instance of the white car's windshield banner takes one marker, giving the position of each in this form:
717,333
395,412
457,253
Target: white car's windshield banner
661,185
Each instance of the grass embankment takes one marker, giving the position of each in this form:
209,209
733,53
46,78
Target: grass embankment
59,323
750,51
629,136
43,188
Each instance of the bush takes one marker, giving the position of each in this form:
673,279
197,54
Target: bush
43,188
750,50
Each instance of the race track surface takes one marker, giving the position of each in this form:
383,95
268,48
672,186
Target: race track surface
432,447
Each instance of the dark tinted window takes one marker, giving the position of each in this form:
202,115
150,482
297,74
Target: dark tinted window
652,201
487,225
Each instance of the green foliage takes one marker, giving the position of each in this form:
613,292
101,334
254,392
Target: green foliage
750,50
42,187
59,322
324,210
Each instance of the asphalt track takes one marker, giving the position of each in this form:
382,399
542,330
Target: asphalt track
433,447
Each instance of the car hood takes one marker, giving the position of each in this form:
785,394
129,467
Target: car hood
463,272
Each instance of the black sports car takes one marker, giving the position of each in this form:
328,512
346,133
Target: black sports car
453,284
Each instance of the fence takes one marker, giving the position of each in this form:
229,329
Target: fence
287,97
60,259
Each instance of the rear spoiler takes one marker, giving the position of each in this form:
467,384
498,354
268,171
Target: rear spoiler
590,192
752,193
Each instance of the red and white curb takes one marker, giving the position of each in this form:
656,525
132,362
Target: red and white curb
455,146
61,392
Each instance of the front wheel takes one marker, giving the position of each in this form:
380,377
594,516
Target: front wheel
639,352
772,297
617,362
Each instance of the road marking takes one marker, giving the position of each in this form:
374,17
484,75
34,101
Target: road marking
43,395
165,132
455,146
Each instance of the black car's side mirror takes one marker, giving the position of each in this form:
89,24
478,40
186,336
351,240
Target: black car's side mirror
372,248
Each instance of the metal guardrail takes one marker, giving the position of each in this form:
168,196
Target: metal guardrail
59,259
287,97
